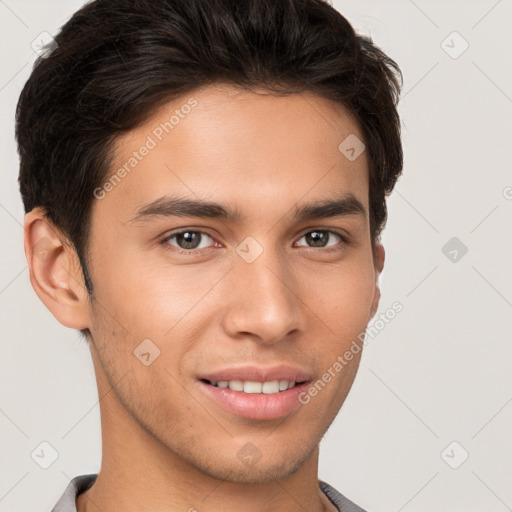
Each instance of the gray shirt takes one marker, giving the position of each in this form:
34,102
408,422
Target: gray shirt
79,484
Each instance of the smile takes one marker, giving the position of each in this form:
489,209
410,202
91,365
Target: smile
255,392
267,388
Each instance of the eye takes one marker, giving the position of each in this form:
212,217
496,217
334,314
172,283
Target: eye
187,240
320,238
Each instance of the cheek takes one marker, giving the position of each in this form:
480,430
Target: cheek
149,295
353,305
175,298
342,297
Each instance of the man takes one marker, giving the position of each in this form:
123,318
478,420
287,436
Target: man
204,186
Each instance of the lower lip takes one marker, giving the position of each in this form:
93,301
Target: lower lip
256,406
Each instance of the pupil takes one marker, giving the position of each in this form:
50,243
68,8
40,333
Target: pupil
188,237
315,238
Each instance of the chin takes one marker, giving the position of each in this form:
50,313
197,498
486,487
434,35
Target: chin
257,474
263,470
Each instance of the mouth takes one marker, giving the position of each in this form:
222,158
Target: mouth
256,393
254,387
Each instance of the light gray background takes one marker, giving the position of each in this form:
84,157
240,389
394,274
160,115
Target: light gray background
438,373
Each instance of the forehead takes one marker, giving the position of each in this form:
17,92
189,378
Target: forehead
224,143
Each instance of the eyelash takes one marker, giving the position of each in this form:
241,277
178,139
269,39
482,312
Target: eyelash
165,241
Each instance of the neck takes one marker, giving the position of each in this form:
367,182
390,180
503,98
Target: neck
140,483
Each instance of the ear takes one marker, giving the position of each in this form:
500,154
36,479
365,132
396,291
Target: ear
55,271
379,256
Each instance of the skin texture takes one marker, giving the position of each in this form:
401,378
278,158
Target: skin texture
166,445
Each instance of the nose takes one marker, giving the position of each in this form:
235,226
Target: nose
264,301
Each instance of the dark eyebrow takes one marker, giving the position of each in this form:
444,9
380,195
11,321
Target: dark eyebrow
324,209
182,207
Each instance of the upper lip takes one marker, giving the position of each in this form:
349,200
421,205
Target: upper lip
258,374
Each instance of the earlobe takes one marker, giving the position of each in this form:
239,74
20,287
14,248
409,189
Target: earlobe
55,272
379,255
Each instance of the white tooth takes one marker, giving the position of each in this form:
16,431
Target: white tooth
222,384
270,387
252,387
236,385
291,384
283,384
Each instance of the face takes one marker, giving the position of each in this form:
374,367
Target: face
201,321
